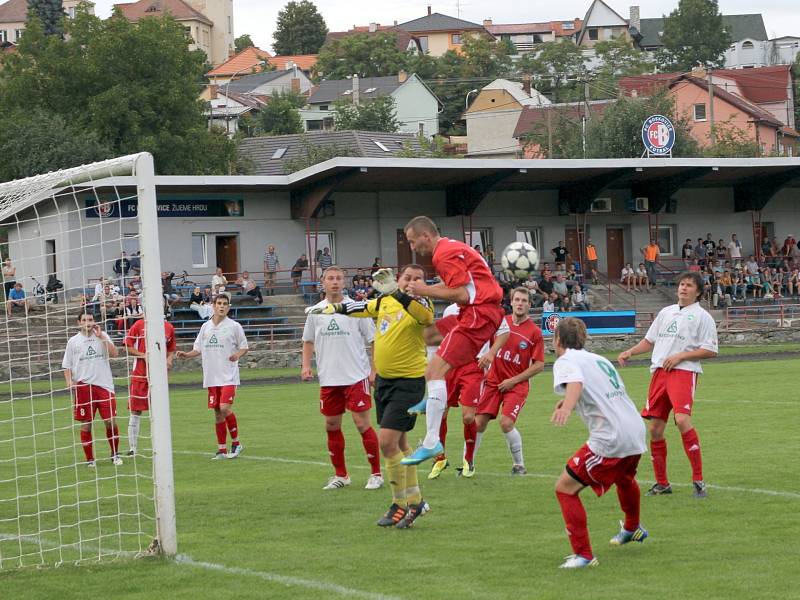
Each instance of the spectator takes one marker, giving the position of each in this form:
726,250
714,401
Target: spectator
114,316
591,260
792,252
490,258
560,253
776,282
710,245
738,285
9,276
766,282
359,290
122,266
218,282
325,259
641,279
793,282
549,304
208,295
735,248
628,277
754,284
136,263
572,276
546,285
687,252
651,253
537,297
718,297
99,288
249,287
579,301
700,252
198,304
271,266
371,293
477,248
133,312
561,291
376,264
300,265
695,266
722,250
16,297
170,293
751,266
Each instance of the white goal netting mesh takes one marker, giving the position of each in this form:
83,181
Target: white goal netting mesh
63,238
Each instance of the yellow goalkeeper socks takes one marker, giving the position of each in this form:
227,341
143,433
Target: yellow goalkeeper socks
412,492
397,478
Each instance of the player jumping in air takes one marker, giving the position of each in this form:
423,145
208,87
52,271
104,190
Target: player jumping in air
468,281
343,365
88,375
680,337
139,387
220,344
519,359
592,387
399,385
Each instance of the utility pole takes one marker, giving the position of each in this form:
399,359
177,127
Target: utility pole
710,79
549,132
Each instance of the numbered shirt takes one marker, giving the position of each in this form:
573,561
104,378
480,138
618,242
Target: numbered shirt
216,344
340,345
524,346
677,329
86,357
615,427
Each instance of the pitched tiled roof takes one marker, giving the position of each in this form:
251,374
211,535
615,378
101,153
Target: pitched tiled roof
404,38
260,150
755,111
741,27
533,117
333,90
240,63
250,82
158,8
14,11
304,62
439,22
519,28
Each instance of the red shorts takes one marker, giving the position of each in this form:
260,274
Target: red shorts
138,393
334,399
474,327
512,401
599,472
221,394
93,398
670,390
464,385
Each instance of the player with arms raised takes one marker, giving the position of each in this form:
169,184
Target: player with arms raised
680,337
592,387
87,373
468,281
220,343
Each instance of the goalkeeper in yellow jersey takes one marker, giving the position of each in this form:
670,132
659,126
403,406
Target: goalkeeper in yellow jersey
400,361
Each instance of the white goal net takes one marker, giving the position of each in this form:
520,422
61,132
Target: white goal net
71,490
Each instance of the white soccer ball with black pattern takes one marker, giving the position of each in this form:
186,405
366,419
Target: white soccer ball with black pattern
519,259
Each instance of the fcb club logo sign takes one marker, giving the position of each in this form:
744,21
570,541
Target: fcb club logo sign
658,135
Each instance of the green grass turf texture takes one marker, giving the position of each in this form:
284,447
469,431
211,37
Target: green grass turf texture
490,537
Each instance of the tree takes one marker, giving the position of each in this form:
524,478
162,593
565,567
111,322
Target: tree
694,34
280,116
242,42
377,114
50,13
731,142
557,68
796,70
426,148
312,154
364,54
300,29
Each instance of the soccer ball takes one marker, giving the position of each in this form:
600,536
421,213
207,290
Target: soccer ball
519,260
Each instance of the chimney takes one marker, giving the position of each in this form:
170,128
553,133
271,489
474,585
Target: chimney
373,27
487,23
635,21
295,81
356,90
213,92
429,10
526,84
402,76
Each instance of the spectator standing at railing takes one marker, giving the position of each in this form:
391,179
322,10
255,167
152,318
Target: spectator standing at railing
591,260
300,265
560,253
651,252
722,250
687,252
376,264
122,267
700,252
218,282
490,258
735,248
136,263
710,245
271,266
325,259
170,294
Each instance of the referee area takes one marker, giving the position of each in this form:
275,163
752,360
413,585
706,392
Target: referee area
262,527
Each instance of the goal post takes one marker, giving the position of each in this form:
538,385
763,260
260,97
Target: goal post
64,499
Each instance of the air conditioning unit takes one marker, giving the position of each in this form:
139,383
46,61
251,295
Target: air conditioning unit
641,204
601,205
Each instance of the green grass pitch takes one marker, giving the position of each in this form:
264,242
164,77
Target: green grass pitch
262,527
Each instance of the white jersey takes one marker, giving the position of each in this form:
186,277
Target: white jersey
454,310
216,344
86,357
615,428
340,344
677,329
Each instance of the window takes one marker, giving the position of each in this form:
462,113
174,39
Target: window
199,250
279,153
230,24
325,239
666,238
455,38
567,25
593,33
699,112
323,107
747,45
71,12
423,43
380,145
314,125
530,235
130,243
17,34
3,36
478,237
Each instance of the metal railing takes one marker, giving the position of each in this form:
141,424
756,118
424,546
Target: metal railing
781,314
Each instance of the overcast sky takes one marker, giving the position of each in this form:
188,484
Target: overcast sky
257,17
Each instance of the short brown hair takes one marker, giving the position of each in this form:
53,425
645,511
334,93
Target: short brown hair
332,268
414,266
696,278
223,295
422,225
520,290
571,333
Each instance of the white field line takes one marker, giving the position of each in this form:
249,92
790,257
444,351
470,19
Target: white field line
551,476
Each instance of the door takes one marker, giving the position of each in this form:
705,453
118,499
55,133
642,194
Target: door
49,258
574,240
615,251
405,256
228,255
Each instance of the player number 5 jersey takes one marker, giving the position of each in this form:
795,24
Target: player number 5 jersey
216,344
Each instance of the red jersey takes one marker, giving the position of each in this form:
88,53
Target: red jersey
525,345
459,265
135,339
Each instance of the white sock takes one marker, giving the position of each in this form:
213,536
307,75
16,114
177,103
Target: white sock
514,441
478,437
434,410
133,431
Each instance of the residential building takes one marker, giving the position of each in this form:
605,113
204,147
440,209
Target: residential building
602,23
404,40
525,36
493,115
246,62
267,82
304,62
741,27
208,22
269,155
416,106
225,108
749,53
14,14
540,120
438,33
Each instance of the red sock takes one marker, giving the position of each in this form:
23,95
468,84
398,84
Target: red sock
233,428
86,442
470,433
658,454
691,445
336,451
370,440
113,439
629,497
222,436
443,430
575,520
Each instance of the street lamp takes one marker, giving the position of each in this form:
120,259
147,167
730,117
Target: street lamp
466,100
227,85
